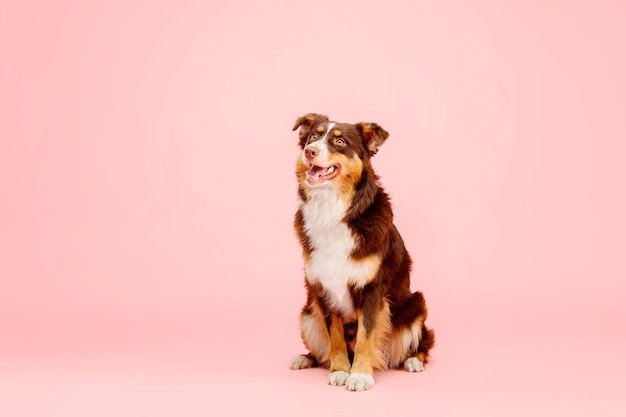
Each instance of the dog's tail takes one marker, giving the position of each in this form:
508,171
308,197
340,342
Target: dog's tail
426,343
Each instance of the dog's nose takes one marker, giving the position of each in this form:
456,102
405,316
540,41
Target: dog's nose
310,152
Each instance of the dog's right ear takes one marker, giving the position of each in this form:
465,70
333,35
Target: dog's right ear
305,123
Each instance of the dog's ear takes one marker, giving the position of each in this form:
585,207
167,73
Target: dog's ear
305,123
373,136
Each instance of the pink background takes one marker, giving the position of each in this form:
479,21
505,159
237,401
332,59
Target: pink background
147,260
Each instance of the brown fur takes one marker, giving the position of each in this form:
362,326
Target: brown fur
383,323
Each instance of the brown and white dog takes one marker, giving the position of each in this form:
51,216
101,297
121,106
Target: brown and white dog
360,314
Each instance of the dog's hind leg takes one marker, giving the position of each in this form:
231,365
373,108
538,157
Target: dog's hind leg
302,362
411,340
315,337
416,361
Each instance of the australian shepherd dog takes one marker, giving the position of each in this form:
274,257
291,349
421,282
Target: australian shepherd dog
360,314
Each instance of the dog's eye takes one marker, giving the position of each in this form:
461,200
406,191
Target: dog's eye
340,141
313,136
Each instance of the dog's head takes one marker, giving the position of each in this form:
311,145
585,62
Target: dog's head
334,154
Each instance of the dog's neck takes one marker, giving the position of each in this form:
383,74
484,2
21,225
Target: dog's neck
323,211
365,193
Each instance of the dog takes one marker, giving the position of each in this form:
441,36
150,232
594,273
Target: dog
360,314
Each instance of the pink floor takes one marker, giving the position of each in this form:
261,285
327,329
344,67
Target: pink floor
216,370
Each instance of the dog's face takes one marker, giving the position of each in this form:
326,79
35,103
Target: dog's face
333,153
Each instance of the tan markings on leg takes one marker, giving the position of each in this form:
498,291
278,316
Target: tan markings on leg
370,348
338,350
315,335
403,342
339,362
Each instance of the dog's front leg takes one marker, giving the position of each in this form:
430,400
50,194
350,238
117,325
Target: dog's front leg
373,323
362,375
339,362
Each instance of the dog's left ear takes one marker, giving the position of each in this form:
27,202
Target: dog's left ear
305,123
373,136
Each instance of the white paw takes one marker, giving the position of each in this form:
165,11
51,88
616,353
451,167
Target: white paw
359,382
300,362
338,378
413,365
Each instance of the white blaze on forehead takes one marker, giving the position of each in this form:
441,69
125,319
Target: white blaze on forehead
321,144
328,129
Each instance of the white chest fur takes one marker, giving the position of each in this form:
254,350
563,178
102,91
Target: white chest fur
330,262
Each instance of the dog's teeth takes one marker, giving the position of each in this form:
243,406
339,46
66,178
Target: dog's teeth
330,169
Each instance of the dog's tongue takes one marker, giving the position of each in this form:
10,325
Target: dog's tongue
314,172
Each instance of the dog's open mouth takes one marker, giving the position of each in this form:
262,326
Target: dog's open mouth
317,175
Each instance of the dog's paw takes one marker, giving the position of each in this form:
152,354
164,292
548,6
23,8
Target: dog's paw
413,365
359,382
338,378
301,362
